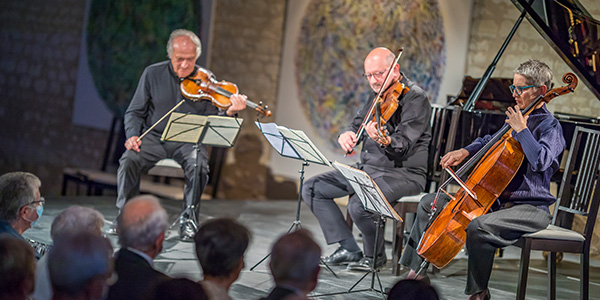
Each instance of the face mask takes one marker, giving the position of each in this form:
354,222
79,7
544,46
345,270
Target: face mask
39,210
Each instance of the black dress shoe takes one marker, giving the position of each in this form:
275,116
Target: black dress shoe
187,230
365,264
342,256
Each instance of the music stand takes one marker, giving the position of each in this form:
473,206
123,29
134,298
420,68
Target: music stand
373,201
217,131
294,144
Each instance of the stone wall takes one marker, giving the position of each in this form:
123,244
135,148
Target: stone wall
492,20
39,51
246,50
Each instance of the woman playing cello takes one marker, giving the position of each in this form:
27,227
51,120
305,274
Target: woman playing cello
523,206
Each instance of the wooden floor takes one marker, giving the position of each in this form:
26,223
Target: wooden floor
268,220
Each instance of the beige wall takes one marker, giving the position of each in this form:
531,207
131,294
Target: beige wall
492,20
246,50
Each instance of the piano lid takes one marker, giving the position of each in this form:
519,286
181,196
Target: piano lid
572,32
496,95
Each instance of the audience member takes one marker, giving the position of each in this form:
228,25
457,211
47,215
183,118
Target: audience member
141,227
80,266
21,204
17,268
177,289
220,246
72,220
412,289
294,265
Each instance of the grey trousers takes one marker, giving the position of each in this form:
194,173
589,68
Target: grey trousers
132,164
318,193
485,234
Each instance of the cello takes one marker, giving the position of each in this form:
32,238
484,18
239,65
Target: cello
495,165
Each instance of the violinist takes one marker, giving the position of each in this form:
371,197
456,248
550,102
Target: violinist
523,206
158,91
397,162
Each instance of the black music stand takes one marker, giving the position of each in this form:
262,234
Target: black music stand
293,144
217,131
373,201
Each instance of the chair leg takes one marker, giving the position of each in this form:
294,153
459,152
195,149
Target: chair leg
396,248
585,274
523,269
551,275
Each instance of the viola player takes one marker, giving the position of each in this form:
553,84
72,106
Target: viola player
396,162
158,92
523,206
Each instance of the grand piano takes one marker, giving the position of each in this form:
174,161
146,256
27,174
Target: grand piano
571,31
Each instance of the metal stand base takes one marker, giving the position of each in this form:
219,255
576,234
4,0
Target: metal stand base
296,224
373,271
191,209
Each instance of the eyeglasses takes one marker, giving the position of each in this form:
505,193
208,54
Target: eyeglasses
42,202
378,75
519,89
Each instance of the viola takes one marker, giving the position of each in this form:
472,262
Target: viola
203,85
495,166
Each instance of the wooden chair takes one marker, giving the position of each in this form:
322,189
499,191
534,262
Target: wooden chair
444,123
579,194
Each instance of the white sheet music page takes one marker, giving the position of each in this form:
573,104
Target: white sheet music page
304,145
276,140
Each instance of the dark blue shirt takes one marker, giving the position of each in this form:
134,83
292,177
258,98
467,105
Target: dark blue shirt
542,142
6,228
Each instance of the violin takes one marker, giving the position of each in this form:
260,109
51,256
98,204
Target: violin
203,85
496,164
387,105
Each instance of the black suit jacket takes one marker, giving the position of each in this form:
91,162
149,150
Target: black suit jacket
278,293
136,276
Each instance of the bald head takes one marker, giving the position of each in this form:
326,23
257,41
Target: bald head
377,63
141,222
381,55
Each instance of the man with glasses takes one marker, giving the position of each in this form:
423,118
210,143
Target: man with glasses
21,205
523,206
397,163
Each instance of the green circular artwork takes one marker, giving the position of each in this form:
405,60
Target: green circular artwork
123,37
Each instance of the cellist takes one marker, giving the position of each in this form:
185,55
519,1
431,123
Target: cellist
523,206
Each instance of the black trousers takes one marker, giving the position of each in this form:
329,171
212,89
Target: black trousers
484,235
132,164
319,191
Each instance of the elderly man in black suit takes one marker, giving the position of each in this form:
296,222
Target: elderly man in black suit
141,229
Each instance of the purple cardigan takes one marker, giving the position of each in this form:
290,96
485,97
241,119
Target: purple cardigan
542,143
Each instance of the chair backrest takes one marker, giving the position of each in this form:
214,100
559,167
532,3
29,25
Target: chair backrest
580,189
444,123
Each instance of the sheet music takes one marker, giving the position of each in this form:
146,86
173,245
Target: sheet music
221,131
304,145
185,128
276,140
367,191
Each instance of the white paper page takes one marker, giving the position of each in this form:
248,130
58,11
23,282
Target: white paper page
283,147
